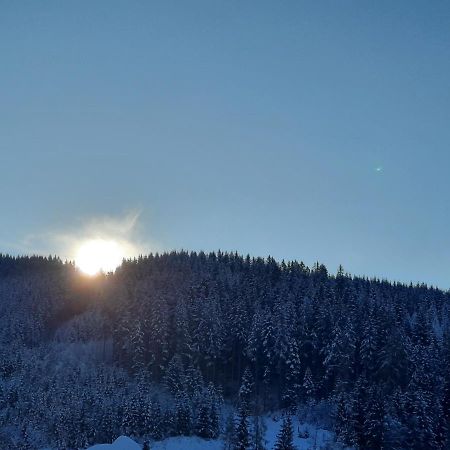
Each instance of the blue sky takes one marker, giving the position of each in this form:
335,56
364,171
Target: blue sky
253,126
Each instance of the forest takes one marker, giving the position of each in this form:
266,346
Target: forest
205,344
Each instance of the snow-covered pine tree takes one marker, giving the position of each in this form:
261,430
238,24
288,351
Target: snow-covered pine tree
193,380
203,425
155,427
157,331
369,348
168,423
292,389
214,403
183,416
137,346
175,378
247,388
308,384
285,437
343,416
130,417
242,435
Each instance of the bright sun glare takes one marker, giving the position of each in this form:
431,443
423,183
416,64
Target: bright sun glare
99,255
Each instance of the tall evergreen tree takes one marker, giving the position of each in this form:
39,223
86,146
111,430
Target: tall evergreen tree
242,435
183,417
285,438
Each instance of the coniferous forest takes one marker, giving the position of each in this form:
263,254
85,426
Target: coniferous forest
167,343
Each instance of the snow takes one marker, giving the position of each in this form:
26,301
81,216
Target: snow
313,438
173,443
187,443
121,443
317,437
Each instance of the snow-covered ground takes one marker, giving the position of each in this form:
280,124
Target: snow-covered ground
313,438
187,443
121,443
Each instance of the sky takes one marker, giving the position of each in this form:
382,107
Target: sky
308,130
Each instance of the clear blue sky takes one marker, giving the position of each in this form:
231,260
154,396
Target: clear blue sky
253,126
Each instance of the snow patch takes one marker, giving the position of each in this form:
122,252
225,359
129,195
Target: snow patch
311,436
121,443
306,437
187,443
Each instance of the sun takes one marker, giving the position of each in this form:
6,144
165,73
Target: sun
99,255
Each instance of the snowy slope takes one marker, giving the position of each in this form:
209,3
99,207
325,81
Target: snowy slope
121,443
317,439
187,443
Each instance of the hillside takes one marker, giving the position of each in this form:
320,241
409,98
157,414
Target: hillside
168,343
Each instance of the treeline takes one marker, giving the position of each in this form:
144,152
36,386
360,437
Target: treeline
158,347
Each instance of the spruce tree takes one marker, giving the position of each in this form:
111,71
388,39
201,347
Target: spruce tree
291,395
285,438
214,424
374,420
183,419
308,384
242,436
344,425
247,387
203,426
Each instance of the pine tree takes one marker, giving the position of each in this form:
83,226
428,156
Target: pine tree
340,354
203,426
169,423
247,387
374,420
369,348
194,380
175,377
242,437
137,342
308,384
214,421
285,438
292,390
154,426
344,426
183,418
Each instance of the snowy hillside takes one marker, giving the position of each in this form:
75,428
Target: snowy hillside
121,443
317,439
158,350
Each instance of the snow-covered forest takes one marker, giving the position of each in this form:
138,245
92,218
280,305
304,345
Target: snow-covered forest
195,344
